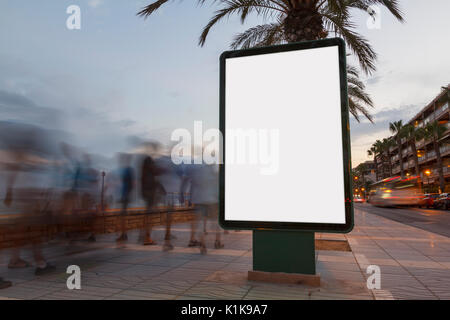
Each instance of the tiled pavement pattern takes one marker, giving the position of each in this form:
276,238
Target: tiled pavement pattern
415,264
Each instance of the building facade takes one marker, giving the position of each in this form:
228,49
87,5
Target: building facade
437,110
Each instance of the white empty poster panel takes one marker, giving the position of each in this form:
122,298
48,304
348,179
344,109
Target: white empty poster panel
284,143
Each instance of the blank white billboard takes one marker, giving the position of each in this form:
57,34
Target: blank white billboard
284,137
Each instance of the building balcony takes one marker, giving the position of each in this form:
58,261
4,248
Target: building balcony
444,149
441,110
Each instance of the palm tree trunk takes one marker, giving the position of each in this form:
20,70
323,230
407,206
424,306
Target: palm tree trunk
439,165
416,159
389,163
303,22
376,167
400,155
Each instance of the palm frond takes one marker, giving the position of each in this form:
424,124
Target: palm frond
392,5
356,107
356,43
264,8
148,10
262,35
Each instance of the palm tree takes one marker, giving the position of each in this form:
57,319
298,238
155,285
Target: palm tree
300,20
396,128
361,172
387,144
375,150
435,131
372,153
413,134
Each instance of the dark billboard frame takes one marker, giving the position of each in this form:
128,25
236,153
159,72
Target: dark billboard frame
294,226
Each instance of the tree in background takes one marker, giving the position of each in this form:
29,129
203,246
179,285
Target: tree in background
387,144
412,135
301,20
435,131
396,128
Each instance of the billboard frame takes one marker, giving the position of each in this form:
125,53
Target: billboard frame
294,226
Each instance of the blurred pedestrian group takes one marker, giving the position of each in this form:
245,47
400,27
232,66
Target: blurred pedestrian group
46,181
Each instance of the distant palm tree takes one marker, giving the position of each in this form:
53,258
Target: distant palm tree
396,128
413,134
435,131
375,150
371,153
361,170
388,143
300,20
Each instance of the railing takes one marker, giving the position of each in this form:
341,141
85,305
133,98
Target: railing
435,115
420,143
406,151
423,159
444,149
441,110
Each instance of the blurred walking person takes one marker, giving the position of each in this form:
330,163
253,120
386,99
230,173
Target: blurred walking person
169,179
89,188
127,186
29,185
149,186
204,189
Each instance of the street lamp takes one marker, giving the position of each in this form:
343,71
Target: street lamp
428,172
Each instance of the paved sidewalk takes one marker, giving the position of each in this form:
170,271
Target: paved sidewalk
415,264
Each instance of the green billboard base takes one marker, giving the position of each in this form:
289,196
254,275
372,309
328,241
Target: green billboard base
284,252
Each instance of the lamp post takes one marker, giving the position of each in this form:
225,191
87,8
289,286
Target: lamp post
102,205
428,172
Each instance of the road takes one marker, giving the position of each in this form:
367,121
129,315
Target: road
436,221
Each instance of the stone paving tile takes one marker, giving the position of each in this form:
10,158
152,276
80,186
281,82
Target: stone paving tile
86,293
143,272
183,273
214,290
175,287
264,292
338,266
325,295
133,259
167,262
412,293
23,292
140,295
415,264
192,298
204,265
238,267
107,267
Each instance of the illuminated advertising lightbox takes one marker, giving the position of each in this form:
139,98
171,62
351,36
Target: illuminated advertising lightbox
286,146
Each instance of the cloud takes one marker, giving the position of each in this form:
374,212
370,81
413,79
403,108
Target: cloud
95,3
364,134
373,80
19,108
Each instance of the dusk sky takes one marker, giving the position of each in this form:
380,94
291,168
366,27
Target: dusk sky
122,76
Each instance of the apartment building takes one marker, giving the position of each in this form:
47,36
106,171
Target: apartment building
367,169
437,110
